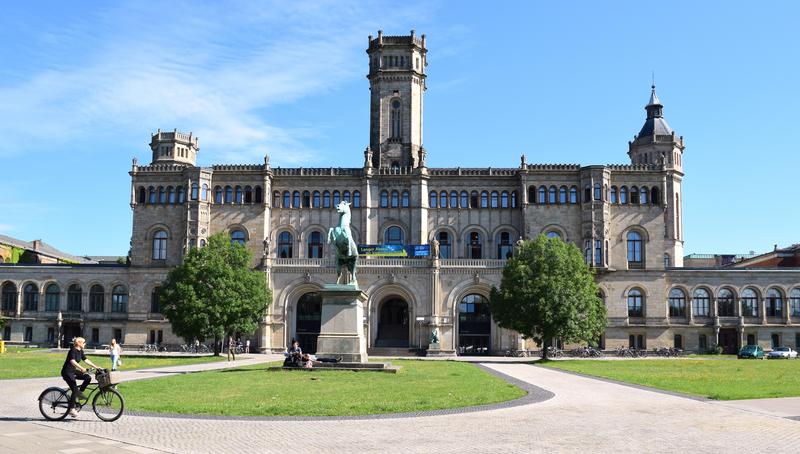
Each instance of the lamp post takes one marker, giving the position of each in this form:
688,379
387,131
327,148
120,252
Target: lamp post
419,330
60,319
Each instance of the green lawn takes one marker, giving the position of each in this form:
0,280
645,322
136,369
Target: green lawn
253,391
32,363
714,379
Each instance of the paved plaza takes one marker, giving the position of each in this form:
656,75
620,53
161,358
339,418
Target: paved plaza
584,415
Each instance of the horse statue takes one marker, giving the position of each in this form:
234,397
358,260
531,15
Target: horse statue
346,249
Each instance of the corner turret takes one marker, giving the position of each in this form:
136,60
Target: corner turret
174,148
656,142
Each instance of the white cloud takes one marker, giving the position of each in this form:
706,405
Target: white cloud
208,69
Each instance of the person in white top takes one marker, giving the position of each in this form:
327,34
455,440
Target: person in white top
116,352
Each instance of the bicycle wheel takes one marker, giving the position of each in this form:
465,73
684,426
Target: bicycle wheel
108,404
54,404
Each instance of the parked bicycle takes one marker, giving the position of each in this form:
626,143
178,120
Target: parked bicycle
107,402
152,348
553,352
516,353
668,352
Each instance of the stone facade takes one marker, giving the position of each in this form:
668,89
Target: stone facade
626,218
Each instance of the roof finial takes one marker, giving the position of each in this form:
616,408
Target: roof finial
653,79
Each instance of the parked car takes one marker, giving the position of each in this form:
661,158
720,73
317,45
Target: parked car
751,351
782,352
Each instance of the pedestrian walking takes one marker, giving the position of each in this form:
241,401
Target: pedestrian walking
116,352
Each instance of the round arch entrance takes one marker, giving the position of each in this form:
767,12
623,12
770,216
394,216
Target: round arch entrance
308,321
474,325
393,324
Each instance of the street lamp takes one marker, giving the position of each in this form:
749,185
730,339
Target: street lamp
60,319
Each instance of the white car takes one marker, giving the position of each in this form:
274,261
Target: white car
782,352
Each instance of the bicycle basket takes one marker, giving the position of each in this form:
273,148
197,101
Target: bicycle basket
104,378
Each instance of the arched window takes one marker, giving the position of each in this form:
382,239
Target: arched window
726,306
181,194
336,198
74,296
433,200
228,194
473,199
152,195
395,199
257,198
306,199
315,245
285,244
170,194
453,199
474,246
464,199
667,261
443,199
701,303
238,237
393,235
155,303
346,196
204,193
445,245
287,199
774,303
551,195
160,245
553,234
385,199
573,195
635,250
562,195
634,195
296,199
97,298
315,199
504,199
202,243
495,202
406,199
542,195
635,303
749,303
30,297
643,192
396,119
623,195
598,191
654,196
587,193
504,247
194,191
52,298
248,194
614,194
326,199
119,299
514,199
162,195
794,302
677,303
484,199
142,198
218,194
531,194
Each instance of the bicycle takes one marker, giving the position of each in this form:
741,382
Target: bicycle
107,402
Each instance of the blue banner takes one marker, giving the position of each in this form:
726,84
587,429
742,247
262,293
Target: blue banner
394,250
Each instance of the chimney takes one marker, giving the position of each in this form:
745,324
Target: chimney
37,244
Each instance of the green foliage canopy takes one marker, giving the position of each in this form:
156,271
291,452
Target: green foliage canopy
214,292
547,292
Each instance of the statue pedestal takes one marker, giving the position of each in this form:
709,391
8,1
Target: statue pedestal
342,324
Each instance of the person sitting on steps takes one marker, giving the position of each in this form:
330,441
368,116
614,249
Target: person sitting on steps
72,370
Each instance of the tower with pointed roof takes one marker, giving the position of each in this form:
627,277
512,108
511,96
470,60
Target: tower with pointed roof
658,145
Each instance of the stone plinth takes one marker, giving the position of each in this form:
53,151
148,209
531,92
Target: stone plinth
342,324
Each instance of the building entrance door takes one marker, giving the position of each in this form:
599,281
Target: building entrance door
309,315
71,330
474,326
393,324
729,340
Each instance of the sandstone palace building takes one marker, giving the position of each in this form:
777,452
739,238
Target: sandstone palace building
627,218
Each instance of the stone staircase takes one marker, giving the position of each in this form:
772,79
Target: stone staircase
392,351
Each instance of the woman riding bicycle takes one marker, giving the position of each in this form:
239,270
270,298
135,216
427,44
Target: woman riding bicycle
72,370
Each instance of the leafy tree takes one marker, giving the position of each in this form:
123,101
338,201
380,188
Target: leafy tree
215,293
547,292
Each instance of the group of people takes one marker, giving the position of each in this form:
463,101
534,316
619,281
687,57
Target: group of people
296,358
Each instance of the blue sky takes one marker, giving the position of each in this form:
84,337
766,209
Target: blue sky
83,87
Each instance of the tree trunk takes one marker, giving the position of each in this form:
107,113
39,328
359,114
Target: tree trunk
216,345
545,346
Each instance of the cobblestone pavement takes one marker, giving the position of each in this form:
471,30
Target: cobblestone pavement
586,415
